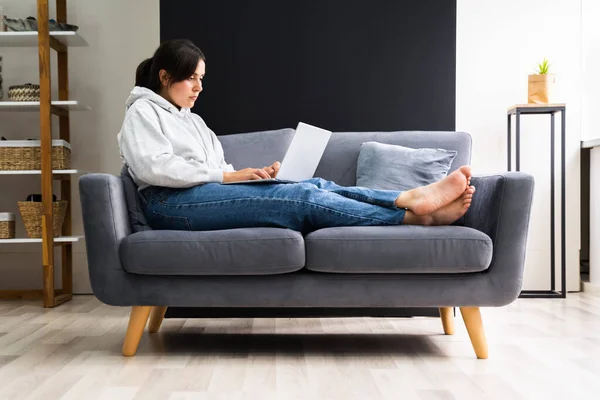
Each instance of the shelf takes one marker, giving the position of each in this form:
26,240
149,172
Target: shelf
588,144
70,105
38,172
30,39
61,239
533,108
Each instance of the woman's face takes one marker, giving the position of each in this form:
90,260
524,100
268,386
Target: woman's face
184,94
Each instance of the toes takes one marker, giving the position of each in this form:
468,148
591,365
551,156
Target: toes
466,170
470,190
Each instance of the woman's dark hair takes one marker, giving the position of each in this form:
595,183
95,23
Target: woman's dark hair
179,57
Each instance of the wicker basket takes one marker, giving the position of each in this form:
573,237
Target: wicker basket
31,212
27,92
7,226
24,155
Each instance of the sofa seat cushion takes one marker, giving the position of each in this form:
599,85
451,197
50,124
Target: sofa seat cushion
247,251
400,249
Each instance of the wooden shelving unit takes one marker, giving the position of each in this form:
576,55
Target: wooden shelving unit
45,40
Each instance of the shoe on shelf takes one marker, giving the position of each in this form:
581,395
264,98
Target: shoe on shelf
54,26
16,25
30,24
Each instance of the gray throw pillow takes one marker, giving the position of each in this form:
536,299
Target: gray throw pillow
393,167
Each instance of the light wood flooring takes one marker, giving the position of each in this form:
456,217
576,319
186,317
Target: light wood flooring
538,349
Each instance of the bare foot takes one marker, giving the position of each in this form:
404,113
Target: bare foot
427,199
453,211
445,215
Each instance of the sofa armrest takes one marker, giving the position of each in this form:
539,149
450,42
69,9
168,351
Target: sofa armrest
105,224
501,208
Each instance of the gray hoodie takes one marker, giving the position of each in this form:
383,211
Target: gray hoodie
163,146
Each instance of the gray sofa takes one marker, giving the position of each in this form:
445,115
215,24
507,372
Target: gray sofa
476,262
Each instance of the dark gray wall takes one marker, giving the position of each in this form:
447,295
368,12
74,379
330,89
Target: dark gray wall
345,65
341,64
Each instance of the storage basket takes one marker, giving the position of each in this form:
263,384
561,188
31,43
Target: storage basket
23,155
31,212
27,92
7,226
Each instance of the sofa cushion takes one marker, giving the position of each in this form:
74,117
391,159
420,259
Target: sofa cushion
404,249
393,167
247,251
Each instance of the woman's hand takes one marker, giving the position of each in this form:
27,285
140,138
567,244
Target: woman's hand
245,174
273,169
252,173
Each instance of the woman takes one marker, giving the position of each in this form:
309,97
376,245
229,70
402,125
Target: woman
178,164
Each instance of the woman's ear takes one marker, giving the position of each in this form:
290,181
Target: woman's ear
164,77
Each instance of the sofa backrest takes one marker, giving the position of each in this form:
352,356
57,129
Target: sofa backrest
338,164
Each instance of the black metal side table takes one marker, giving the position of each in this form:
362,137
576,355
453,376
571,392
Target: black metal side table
551,109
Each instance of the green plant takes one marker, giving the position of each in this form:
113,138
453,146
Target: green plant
544,67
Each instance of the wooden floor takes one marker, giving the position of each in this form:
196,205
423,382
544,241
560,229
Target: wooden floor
538,349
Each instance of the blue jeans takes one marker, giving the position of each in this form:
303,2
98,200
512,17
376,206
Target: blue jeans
304,206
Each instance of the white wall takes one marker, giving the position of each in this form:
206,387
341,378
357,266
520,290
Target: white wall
120,35
591,60
591,126
498,44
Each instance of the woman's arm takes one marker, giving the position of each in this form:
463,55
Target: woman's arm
218,148
150,156
229,173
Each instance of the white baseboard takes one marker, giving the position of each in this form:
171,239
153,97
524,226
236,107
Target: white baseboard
588,287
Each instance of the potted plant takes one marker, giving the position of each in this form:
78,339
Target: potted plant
541,84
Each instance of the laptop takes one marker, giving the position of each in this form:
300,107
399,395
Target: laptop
302,157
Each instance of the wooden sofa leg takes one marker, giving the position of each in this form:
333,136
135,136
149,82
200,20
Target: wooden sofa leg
472,318
447,320
156,318
137,322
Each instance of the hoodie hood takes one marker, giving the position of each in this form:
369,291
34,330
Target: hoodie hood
142,93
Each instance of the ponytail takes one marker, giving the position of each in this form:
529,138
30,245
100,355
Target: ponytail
143,73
